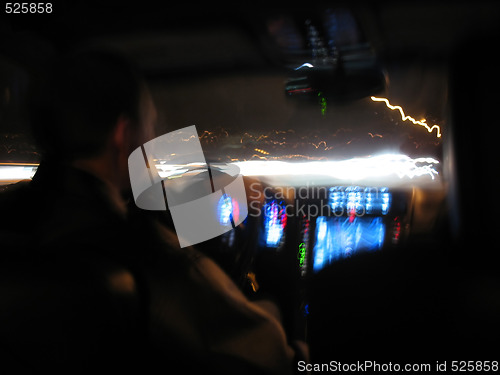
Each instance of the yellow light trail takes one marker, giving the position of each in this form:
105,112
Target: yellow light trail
409,118
261,151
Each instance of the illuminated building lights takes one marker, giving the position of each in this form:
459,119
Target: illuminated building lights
409,118
227,210
354,200
337,199
263,152
386,201
322,103
320,248
274,223
342,237
303,247
301,256
396,231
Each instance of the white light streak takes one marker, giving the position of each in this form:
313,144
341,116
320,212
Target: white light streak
355,169
305,65
13,172
351,169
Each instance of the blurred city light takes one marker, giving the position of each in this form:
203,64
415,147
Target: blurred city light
352,169
409,118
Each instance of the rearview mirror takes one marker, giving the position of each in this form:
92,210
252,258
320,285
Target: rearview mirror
354,74
325,54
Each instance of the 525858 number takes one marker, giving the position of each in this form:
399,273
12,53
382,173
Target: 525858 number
475,366
19,8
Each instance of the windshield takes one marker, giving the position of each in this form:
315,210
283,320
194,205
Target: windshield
249,117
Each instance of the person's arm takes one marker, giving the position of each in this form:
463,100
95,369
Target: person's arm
196,306
243,329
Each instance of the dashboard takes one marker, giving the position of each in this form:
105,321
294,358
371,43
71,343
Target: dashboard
306,220
328,223
297,233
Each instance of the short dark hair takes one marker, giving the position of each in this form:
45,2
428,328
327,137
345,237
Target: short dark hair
82,98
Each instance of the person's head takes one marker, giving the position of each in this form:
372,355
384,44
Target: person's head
93,105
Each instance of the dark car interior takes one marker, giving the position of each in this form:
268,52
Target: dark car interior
415,276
